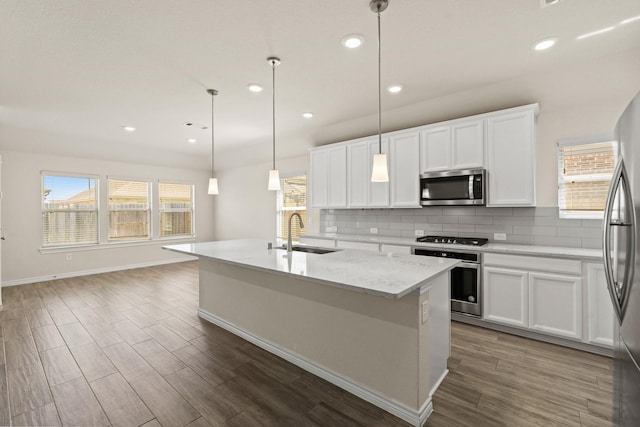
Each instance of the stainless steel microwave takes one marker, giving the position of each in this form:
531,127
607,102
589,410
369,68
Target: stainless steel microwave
451,188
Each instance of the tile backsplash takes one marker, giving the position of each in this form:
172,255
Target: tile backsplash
530,226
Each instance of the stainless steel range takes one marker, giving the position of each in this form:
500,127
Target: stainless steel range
466,279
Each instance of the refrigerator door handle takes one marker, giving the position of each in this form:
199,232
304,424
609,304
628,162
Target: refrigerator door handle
619,292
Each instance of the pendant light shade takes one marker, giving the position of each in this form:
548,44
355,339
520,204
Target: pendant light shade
274,175
213,182
379,171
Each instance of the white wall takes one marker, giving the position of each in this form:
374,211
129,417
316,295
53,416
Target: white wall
245,208
22,260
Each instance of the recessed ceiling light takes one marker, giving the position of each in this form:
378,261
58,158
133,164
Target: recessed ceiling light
307,115
253,87
595,33
545,44
394,89
352,41
628,21
129,128
192,140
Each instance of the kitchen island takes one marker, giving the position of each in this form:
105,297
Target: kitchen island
375,324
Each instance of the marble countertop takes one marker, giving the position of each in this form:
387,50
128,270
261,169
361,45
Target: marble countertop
383,274
506,248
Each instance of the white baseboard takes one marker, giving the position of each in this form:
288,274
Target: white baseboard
437,384
96,271
413,417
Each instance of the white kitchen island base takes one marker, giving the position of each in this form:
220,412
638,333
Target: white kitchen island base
375,347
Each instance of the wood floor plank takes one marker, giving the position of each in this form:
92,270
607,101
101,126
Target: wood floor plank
47,337
160,359
152,423
203,365
59,365
324,414
39,317
74,334
200,422
128,362
77,405
109,313
92,361
62,315
86,315
20,352
130,332
184,330
139,318
16,328
121,404
153,311
168,339
211,404
28,389
166,404
103,334
46,415
4,394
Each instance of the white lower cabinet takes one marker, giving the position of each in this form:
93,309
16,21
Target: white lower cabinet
519,292
506,296
555,304
600,310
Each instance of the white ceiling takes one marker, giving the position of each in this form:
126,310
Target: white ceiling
73,72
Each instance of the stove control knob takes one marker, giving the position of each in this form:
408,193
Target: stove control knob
471,299
443,254
454,241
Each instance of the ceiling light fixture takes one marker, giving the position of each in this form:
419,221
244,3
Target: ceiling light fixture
192,140
213,182
545,44
394,89
254,87
307,115
129,128
380,170
352,41
274,175
595,33
630,20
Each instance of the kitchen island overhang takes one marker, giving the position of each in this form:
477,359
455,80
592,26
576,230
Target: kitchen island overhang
375,324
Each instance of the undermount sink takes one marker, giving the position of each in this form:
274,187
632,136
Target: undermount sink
309,249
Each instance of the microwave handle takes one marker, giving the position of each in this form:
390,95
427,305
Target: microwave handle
472,194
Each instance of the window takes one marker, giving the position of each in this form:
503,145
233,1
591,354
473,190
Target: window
176,209
291,199
69,210
129,210
584,173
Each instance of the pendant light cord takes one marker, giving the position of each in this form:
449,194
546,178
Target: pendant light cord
273,66
213,95
379,90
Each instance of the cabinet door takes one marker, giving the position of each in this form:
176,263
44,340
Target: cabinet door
435,149
357,174
319,184
378,196
555,304
467,145
505,296
404,162
337,177
511,159
599,305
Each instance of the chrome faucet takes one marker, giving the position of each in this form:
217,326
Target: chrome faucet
289,248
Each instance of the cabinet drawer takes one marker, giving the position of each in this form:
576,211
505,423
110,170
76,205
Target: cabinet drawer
555,265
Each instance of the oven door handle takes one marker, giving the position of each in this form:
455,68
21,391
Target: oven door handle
468,265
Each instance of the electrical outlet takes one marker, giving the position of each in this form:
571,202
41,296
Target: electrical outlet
68,256
425,311
332,229
419,233
373,230
499,236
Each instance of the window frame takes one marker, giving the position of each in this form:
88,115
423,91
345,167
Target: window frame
149,210
97,210
280,209
563,143
193,210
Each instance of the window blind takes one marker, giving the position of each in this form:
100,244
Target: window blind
292,198
176,209
129,210
584,174
69,210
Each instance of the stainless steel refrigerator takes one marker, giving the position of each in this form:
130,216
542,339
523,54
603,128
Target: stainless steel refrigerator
622,266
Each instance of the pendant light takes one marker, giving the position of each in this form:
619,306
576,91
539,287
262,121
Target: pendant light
379,171
274,175
213,182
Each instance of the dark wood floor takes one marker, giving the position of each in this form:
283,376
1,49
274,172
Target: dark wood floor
127,348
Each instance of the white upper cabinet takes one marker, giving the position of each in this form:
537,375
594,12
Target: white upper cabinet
361,192
511,158
404,169
456,146
329,177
